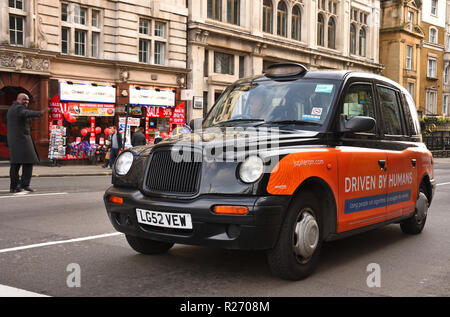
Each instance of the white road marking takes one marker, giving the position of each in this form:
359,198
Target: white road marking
7,291
39,245
443,184
26,194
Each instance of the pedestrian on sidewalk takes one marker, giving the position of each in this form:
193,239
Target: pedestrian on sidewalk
116,144
21,146
138,137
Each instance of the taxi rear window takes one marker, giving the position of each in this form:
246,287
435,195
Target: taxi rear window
307,101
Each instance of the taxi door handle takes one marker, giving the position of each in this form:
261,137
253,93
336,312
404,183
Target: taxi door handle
382,164
414,162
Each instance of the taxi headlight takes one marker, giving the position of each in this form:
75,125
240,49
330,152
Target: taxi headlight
123,163
251,170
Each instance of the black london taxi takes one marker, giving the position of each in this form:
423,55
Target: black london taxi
283,162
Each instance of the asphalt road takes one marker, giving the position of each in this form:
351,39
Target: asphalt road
67,208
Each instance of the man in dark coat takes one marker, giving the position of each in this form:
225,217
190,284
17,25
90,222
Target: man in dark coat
21,146
138,137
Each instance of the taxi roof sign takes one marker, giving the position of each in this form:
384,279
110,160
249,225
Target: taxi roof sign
280,70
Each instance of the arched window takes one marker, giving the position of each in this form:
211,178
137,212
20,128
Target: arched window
331,33
296,23
362,42
267,16
352,39
282,19
320,30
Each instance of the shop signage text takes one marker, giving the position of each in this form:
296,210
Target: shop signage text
86,93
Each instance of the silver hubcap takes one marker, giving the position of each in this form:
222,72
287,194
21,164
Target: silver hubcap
421,208
306,235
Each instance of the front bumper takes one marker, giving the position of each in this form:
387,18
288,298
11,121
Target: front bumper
257,230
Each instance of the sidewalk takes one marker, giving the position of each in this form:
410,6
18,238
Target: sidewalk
59,171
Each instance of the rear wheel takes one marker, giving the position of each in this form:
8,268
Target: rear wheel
296,254
416,223
146,246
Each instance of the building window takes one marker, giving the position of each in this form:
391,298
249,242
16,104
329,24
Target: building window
446,74
320,31
432,67
64,12
95,44
159,53
144,50
431,102
223,63
65,33
267,16
233,11
352,39
282,19
411,89
95,18
434,7
144,26
16,30
296,24
215,9
331,33
152,44
410,20
409,54
160,29
16,4
433,35
241,66
445,105
80,15
362,42
80,42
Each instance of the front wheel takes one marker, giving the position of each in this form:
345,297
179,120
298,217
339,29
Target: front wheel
146,246
296,254
416,223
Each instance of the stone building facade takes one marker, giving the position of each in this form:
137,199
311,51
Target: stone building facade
119,43
432,57
446,90
231,39
401,37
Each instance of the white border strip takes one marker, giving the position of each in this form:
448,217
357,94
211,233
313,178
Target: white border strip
7,291
39,245
443,184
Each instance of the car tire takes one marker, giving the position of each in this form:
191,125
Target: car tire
146,246
416,223
293,258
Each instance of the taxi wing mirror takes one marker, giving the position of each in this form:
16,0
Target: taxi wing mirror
356,124
196,124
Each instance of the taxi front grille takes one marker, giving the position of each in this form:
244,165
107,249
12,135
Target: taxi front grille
166,175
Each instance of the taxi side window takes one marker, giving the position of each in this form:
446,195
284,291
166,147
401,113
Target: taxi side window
391,112
359,102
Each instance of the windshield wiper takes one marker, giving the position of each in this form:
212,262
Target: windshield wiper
287,122
238,120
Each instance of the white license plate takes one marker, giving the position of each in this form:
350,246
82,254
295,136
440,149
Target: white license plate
164,219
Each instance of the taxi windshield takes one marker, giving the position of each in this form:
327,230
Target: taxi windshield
304,102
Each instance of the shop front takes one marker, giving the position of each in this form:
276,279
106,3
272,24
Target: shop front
80,117
157,112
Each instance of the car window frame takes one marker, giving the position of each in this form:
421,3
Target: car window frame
405,133
367,135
